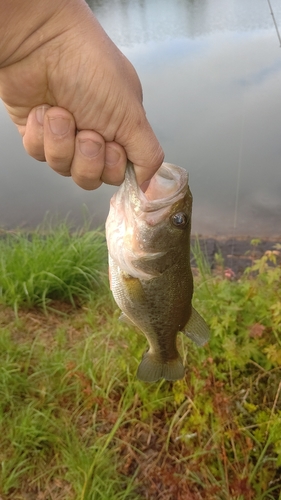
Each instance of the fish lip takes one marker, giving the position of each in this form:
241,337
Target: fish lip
141,202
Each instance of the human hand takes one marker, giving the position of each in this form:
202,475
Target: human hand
75,98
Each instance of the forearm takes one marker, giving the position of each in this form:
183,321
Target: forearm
25,25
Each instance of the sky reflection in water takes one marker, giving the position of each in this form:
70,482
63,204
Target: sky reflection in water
211,75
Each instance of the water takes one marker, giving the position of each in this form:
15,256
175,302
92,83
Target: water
211,75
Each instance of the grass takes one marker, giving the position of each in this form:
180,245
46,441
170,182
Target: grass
75,424
52,262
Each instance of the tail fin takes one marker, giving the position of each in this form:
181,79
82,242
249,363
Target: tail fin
151,370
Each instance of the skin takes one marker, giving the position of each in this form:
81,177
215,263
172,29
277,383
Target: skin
74,97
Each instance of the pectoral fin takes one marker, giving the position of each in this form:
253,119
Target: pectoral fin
133,288
125,319
197,329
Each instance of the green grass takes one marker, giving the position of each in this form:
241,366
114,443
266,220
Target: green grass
75,424
52,262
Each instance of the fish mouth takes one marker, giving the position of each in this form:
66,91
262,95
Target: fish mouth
167,186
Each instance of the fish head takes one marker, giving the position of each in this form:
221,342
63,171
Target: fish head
147,230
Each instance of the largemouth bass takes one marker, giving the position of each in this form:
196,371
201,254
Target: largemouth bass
148,238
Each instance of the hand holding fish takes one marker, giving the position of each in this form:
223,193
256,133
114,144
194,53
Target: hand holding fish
74,97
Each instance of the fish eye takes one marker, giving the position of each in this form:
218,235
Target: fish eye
180,220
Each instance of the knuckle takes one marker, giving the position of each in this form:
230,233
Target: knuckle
87,184
34,151
57,159
86,179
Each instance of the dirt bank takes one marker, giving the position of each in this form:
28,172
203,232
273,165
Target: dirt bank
236,253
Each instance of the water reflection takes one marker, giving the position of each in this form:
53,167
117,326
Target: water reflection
136,21
211,74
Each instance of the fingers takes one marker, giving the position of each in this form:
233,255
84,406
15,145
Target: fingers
115,164
50,135
96,161
59,139
33,133
143,149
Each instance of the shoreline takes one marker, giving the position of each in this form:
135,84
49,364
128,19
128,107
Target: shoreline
235,253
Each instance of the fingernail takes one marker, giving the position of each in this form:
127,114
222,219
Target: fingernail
89,148
59,125
111,157
40,113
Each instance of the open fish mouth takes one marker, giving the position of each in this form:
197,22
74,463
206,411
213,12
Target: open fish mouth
167,186
134,214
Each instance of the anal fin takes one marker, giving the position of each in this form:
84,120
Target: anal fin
197,329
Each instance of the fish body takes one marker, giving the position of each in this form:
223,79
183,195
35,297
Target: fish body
148,238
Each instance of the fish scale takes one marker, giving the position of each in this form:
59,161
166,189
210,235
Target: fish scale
149,262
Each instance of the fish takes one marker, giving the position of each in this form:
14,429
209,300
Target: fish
148,239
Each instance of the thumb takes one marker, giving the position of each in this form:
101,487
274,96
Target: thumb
144,151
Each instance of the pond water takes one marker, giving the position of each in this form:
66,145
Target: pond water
211,76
